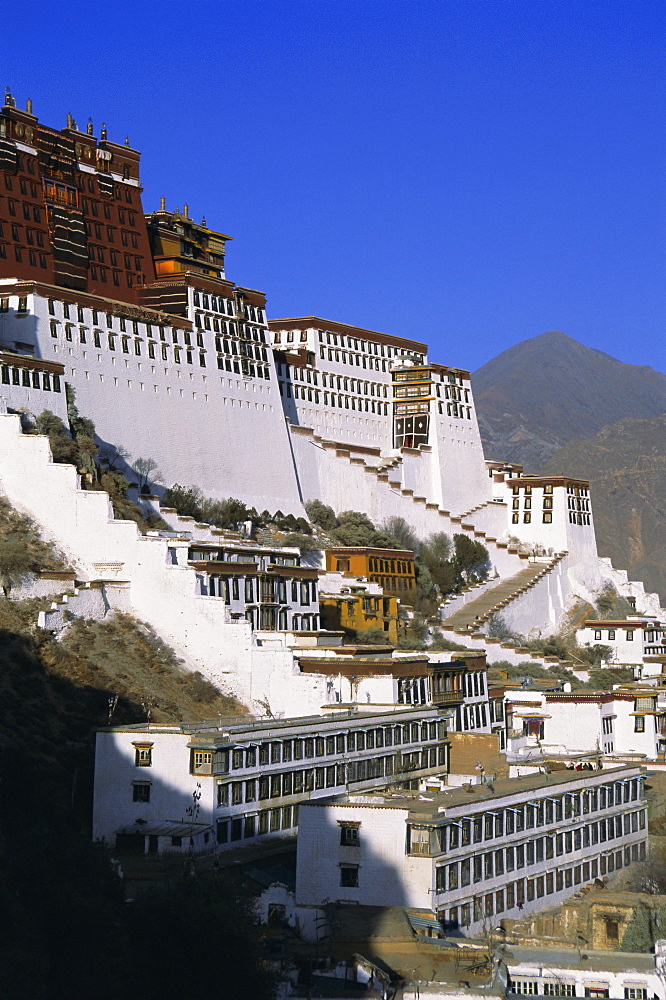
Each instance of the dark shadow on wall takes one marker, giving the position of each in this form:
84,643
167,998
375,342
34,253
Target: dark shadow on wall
67,929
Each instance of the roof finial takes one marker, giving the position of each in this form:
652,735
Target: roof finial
9,100
162,204
103,131
89,127
127,140
70,121
28,106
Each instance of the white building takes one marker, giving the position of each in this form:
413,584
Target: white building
368,390
630,638
123,358
581,972
615,723
475,854
267,586
236,781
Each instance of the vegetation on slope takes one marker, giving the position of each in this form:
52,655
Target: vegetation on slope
608,605
67,932
443,565
602,679
22,550
77,446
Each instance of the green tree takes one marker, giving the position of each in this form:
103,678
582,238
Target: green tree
401,534
15,561
63,448
354,528
594,654
185,500
471,559
416,636
224,513
321,514
436,555
296,539
610,604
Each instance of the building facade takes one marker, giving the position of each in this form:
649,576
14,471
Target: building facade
268,587
630,638
392,569
475,854
242,781
628,720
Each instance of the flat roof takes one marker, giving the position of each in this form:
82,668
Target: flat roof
433,808
578,959
239,724
316,322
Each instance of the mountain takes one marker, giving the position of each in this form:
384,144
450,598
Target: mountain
626,465
536,396
556,406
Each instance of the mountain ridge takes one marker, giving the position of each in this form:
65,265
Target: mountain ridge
537,395
556,406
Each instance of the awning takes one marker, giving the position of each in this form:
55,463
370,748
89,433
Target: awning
424,922
165,829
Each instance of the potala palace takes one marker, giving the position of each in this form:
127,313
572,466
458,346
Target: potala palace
174,361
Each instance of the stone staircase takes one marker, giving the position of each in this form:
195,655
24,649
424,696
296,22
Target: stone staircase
473,615
505,557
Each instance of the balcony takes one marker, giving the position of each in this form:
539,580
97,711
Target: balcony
443,699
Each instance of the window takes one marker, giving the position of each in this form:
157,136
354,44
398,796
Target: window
526,987
143,753
559,989
639,724
635,993
349,876
141,791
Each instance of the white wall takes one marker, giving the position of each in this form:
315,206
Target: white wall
171,783
387,877
204,427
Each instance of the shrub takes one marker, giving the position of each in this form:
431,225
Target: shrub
305,543
440,643
186,501
373,637
321,514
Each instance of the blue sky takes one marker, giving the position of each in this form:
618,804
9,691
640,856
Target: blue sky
465,173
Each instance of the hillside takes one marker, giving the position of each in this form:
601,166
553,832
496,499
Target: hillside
626,465
536,396
58,894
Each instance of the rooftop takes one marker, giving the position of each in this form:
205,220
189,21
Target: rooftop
574,958
433,808
238,725
315,322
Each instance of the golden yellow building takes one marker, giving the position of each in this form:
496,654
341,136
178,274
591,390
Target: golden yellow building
392,569
360,611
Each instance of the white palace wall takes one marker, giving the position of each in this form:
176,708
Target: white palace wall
204,427
139,570
343,480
